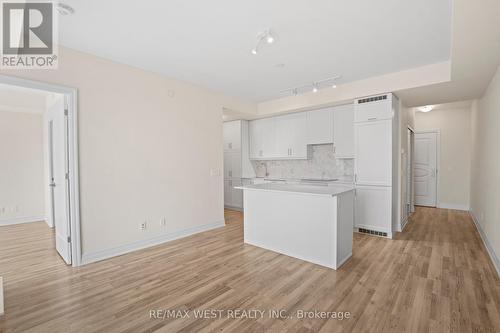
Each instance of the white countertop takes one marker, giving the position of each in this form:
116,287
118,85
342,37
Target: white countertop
331,190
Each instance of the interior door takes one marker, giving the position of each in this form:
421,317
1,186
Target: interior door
425,169
58,157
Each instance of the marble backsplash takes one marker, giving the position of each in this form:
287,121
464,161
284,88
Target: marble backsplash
321,164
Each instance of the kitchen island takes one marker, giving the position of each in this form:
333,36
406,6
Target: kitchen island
308,222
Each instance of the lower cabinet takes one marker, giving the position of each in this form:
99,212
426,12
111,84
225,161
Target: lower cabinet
233,198
374,208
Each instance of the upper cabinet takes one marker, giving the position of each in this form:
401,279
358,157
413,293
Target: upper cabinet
232,135
291,136
343,131
373,108
262,138
320,126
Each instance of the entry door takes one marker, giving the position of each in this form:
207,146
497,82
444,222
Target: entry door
58,157
425,169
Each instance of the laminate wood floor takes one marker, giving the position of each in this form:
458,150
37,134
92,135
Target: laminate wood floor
436,276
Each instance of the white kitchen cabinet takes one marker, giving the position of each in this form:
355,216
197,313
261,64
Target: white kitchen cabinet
233,197
291,136
227,192
232,164
373,108
237,163
262,138
373,150
236,194
373,208
343,131
320,126
232,135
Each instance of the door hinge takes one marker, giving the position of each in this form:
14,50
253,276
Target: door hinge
65,112
69,239
67,175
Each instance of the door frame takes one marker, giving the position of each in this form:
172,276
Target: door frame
71,96
438,159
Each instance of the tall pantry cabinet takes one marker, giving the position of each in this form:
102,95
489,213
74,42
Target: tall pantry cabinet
237,166
376,132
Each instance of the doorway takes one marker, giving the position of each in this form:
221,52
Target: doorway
425,168
61,166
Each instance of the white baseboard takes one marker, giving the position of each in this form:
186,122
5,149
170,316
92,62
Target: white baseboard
91,257
445,205
19,220
486,243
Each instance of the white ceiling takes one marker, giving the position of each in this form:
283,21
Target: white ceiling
208,42
18,99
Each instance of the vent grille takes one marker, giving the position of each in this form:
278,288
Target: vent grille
372,232
372,99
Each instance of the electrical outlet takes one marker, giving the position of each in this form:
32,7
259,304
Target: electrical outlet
163,222
142,226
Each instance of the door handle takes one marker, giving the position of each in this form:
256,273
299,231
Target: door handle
52,184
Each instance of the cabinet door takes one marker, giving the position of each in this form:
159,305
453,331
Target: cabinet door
373,150
262,138
373,110
232,135
227,192
373,208
291,136
320,126
236,194
343,131
227,165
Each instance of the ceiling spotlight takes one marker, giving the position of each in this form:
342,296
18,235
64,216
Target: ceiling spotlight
334,86
426,108
269,38
254,51
315,87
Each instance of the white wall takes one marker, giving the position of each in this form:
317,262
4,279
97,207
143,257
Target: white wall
485,171
147,147
21,168
455,153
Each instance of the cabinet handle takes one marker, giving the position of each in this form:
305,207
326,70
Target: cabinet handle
355,178
230,145
230,173
373,118
290,151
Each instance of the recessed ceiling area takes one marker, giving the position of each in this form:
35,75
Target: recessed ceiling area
209,43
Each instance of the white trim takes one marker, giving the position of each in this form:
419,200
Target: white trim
74,195
19,220
486,242
445,205
91,257
438,159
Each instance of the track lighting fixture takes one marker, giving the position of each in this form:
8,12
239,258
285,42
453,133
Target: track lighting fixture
263,36
315,86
